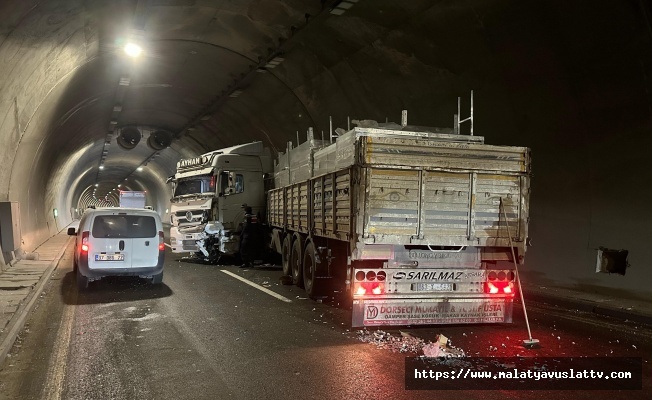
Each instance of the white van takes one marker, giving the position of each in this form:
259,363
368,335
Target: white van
118,241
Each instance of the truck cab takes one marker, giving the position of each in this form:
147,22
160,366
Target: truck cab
209,192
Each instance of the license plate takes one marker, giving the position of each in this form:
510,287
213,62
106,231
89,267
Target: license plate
109,257
432,287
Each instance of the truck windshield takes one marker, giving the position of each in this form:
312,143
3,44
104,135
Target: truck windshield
195,185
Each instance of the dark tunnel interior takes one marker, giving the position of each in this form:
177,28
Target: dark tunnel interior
570,80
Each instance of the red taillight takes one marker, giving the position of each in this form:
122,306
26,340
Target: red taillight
161,243
499,287
491,288
362,288
84,246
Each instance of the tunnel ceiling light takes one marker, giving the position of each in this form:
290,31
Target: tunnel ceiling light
343,6
133,50
97,184
206,117
140,168
235,93
101,166
274,62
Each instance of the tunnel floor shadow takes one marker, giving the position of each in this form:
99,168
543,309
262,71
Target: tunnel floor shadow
111,290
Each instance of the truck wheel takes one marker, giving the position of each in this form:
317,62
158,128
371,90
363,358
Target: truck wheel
310,281
157,279
297,271
82,281
286,255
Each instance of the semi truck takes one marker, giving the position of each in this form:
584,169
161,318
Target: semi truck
413,224
209,193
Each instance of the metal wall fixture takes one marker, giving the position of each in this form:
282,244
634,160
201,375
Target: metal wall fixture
159,140
129,137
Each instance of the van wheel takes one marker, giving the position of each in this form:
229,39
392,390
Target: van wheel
296,260
286,255
157,279
82,281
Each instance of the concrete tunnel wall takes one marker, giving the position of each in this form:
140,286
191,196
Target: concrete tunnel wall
569,80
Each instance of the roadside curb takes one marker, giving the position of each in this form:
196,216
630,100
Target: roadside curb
572,303
17,321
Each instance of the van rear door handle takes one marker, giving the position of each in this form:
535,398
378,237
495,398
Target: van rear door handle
122,245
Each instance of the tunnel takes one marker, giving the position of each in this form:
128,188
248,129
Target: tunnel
82,119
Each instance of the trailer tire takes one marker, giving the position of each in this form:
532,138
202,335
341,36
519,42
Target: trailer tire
310,282
286,255
297,264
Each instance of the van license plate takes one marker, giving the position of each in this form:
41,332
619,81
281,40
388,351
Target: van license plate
432,287
109,257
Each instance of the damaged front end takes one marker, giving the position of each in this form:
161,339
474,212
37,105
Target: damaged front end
212,241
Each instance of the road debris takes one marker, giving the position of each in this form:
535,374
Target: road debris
442,348
406,343
395,343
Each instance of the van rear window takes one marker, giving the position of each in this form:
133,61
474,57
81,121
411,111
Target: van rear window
124,226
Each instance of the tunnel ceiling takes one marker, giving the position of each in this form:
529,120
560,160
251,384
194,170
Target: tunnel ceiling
546,74
215,73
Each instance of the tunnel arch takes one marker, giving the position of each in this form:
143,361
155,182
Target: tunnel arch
570,80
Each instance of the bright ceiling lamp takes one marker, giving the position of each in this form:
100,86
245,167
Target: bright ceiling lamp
133,50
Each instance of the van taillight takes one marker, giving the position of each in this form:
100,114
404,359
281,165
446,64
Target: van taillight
84,241
161,243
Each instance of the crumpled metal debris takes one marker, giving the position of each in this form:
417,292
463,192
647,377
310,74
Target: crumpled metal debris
406,343
442,348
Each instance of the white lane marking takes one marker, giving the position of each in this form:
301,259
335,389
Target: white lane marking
250,283
167,245
58,363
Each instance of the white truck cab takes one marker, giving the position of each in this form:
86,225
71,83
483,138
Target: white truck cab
209,192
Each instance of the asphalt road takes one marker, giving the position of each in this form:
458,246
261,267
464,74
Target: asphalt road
204,334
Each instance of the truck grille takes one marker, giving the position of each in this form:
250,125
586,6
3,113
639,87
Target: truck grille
182,216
